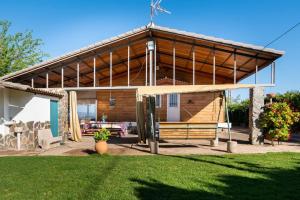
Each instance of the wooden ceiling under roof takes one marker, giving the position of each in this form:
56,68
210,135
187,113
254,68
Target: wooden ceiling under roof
166,39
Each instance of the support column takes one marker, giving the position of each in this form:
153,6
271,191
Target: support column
193,67
110,69
47,80
140,119
174,65
32,83
62,77
214,68
78,81
150,124
94,74
128,66
146,71
255,108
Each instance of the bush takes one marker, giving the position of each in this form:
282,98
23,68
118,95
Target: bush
102,135
276,120
239,112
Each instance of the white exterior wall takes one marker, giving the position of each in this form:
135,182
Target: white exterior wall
4,113
23,106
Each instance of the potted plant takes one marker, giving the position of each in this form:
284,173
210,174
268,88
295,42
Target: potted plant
101,137
276,120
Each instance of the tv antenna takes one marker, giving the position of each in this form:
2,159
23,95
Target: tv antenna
155,8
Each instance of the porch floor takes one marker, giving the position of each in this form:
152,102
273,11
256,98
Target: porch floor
128,146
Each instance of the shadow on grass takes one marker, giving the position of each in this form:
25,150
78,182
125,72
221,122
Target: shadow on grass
257,183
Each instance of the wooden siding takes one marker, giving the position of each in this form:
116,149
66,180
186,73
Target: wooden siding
200,107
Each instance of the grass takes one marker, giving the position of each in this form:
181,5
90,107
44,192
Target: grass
264,176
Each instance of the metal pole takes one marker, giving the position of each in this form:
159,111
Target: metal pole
234,68
174,64
47,80
94,71
78,81
128,65
193,67
155,64
274,72
151,68
62,77
214,69
227,116
146,81
256,70
110,69
32,83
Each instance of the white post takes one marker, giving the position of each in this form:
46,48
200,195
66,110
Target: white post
62,77
110,69
146,79
214,68
94,71
78,81
151,68
32,83
18,141
274,72
47,80
193,67
256,70
234,69
128,65
155,64
174,64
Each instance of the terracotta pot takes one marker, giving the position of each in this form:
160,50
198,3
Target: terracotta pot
101,147
271,95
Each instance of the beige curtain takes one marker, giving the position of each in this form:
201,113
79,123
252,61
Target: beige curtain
74,121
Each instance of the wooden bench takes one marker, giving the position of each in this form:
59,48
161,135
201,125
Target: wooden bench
188,130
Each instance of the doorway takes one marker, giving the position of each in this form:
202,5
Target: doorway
173,107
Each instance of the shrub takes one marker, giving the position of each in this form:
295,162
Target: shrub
101,135
276,120
239,112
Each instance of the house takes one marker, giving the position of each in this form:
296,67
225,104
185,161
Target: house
186,72
22,103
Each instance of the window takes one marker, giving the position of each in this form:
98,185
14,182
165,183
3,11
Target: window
87,109
157,101
173,100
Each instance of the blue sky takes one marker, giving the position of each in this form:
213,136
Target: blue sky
66,25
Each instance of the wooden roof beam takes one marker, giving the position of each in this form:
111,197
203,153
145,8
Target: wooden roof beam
207,74
210,47
201,62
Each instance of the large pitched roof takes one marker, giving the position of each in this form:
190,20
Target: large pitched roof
264,55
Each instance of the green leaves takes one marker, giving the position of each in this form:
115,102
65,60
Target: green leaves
277,119
102,135
19,50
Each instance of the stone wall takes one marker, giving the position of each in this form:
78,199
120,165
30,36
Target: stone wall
28,138
63,110
255,108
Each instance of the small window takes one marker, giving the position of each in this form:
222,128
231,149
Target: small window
173,100
158,101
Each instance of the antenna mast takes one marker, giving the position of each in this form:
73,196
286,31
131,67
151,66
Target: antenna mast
155,8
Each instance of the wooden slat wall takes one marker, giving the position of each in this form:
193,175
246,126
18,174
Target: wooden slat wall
204,107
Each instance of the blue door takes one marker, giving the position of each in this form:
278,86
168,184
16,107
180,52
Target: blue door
54,117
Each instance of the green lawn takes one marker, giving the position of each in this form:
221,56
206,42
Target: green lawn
265,176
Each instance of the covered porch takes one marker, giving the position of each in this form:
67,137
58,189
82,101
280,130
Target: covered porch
185,74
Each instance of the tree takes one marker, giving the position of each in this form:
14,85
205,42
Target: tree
19,50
